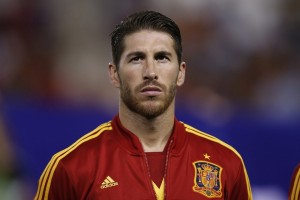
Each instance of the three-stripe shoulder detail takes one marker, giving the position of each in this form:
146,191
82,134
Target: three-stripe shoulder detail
47,175
199,133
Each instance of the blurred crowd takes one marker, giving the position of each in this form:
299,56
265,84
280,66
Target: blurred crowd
239,54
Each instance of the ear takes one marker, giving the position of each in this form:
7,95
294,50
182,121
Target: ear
113,74
181,74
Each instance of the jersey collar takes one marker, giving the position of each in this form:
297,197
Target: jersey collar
131,143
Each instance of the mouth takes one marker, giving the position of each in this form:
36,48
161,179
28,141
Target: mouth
151,90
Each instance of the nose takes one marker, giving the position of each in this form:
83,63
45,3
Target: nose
149,72
153,75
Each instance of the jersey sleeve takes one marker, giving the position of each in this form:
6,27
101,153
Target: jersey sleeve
241,188
55,184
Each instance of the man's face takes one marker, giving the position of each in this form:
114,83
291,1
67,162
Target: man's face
149,73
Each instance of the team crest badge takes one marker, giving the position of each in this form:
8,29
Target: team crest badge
208,179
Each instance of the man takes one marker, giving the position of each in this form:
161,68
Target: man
294,190
145,152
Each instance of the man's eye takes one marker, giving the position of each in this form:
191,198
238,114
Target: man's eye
135,59
162,58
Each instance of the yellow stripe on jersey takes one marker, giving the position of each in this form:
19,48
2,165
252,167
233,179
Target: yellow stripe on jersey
199,133
295,194
46,177
159,191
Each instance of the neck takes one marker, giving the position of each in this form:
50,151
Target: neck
153,133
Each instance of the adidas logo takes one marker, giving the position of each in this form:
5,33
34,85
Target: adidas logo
108,182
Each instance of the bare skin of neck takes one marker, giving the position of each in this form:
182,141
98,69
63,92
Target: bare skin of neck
153,133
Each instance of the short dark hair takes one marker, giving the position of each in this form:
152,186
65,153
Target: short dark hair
150,20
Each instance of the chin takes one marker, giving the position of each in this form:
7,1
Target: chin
151,110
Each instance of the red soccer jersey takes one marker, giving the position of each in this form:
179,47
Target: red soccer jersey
109,163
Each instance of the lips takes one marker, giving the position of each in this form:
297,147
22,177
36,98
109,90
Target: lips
151,90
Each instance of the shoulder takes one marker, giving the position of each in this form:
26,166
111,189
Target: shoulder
72,162
210,142
83,145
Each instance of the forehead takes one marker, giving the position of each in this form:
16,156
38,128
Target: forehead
149,39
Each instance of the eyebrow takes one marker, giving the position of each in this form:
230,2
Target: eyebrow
166,53
135,53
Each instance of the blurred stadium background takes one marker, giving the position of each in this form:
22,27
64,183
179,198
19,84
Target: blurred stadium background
243,81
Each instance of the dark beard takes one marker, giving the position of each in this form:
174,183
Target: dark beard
136,106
